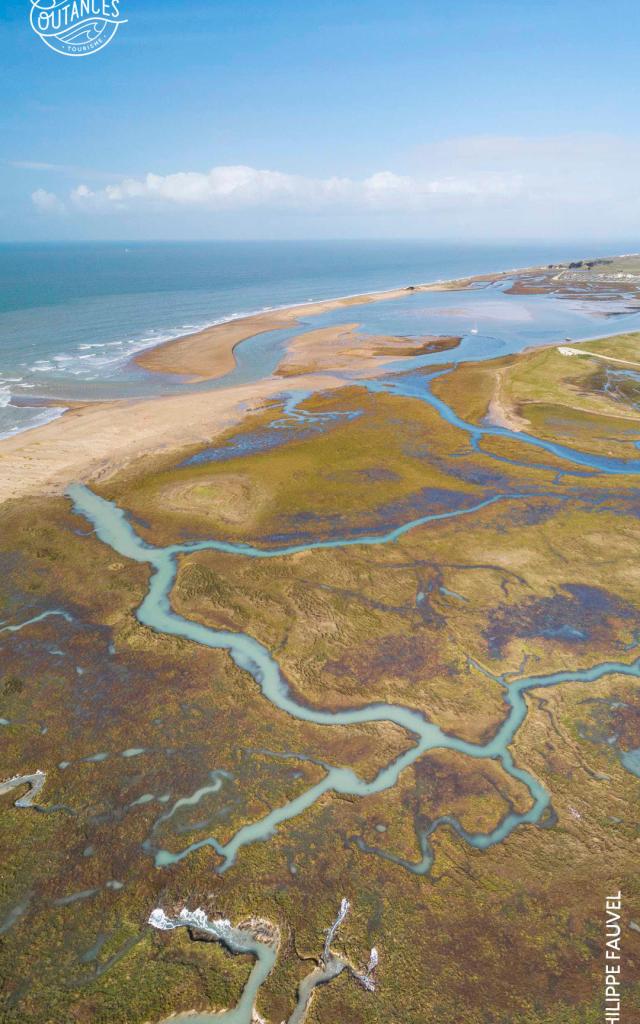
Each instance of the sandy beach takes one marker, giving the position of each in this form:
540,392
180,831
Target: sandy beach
208,354
93,441
342,347
97,440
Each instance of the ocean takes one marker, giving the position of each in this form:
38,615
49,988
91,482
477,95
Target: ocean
72,315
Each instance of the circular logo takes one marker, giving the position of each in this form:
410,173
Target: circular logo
76,28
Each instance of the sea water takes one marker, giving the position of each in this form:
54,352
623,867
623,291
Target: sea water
72,315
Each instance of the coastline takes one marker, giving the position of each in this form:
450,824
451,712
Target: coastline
94,440
191,354
209,354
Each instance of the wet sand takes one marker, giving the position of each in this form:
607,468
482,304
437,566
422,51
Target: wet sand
92,442
209,354
95,440
341,347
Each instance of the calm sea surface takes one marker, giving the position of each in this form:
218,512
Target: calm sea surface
72,315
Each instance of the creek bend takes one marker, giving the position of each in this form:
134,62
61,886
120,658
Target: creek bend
113,528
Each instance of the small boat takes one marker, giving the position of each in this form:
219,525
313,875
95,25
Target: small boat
474,330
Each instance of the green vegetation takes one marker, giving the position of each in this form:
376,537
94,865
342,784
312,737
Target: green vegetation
510,935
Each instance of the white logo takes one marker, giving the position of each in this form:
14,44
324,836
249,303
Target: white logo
76,28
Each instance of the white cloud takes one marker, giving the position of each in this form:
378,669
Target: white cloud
572,168
220,187
47,202
229,187
486,183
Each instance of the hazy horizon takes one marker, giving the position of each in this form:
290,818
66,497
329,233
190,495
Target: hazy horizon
470,242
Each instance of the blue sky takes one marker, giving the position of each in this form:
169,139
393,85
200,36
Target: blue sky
231,119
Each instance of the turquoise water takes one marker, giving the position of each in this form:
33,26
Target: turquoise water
35,782
71,316
244,940
417,386
236,940
490,323
112,527
69,331
631,760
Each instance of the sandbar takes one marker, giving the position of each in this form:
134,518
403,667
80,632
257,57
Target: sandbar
93,441
209,354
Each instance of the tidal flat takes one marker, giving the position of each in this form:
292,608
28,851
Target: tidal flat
377,641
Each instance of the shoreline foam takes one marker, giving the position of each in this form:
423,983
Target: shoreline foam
93,440
188,354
